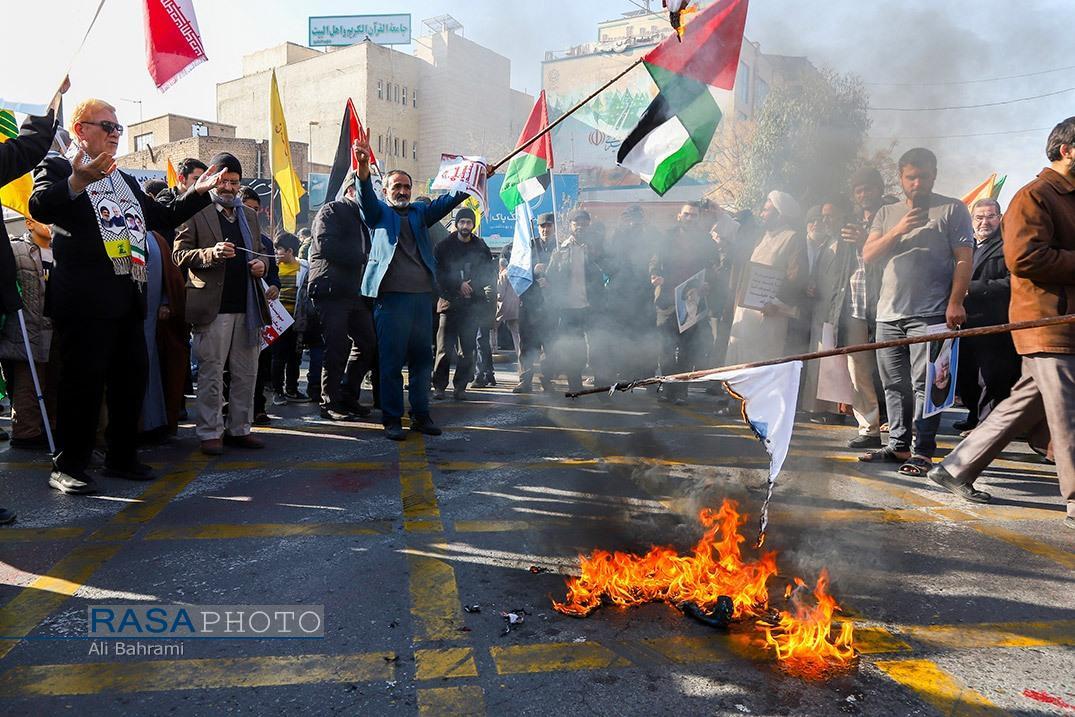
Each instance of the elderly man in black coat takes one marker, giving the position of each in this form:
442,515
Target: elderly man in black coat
96,293
988,365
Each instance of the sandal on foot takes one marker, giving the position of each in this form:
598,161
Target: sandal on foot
949,482
882,455
916,466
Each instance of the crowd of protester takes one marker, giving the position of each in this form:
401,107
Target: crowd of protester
136,344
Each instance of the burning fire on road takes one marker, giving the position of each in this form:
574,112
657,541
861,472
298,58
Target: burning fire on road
704,582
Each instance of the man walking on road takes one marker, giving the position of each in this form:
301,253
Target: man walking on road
1039,249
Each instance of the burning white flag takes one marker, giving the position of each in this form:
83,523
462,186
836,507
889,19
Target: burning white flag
463,174
769,395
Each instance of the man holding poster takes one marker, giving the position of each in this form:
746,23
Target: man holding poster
399,277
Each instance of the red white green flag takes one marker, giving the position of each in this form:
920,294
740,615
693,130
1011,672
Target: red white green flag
528,173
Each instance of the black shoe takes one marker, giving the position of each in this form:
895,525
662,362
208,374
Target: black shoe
939,475
424,424
480,383
135,471
78,483
394,432
491,381
964,425
438,394
30,444
262,419
865,442
523,387
7,517
352,406
296,396
460,394
546,384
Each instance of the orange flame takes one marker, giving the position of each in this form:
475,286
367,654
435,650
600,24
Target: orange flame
803,641
715,567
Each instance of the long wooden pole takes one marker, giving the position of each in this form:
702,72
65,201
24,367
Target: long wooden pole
839,351
564,116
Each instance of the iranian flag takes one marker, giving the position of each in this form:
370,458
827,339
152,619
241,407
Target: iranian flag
675,130
527,175
173,42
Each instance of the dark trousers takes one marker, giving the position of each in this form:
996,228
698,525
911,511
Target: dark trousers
484,358
285,362
350,348
903,373
988,368
99,358
404,324
534,331
565,352
263,379
457,332
681,352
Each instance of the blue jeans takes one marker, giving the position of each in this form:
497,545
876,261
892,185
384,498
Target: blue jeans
404,324
903,374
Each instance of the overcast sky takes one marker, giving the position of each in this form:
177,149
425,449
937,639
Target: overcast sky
913,42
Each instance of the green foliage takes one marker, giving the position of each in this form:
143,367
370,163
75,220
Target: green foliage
808,138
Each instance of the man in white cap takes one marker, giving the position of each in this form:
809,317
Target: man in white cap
760,333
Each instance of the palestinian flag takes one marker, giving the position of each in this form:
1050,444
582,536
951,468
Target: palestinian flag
528,173
345,159
675,130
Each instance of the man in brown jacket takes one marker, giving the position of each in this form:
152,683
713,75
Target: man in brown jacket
1039,249
227,306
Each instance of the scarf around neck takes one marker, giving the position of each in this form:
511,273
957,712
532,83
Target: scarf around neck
253,315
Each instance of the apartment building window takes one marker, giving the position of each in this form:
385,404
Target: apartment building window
395,147
142,141
414,98
742,83
380,89
198,129
395,96
404,95
414,151
380,143
404,148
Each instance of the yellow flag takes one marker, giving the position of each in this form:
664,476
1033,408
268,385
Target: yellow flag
982,191
172,177
15,194
282,170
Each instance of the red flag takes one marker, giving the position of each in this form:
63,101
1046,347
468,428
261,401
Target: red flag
537,121
173,42
345,158
709,51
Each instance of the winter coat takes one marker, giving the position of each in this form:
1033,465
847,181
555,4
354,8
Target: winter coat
31,279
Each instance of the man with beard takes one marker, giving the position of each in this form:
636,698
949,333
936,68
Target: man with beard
466,276
1039,249
228,308
988,365
923,247
868,193
97,293
536,317
399,278
686,250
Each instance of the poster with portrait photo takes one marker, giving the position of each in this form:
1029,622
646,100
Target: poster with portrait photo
691,304
941,372
110,216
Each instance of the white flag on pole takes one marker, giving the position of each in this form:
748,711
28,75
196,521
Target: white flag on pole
520,275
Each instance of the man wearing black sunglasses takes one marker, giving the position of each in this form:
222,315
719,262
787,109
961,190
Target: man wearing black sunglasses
96,306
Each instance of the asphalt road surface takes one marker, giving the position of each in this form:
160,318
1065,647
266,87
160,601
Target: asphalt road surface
958,609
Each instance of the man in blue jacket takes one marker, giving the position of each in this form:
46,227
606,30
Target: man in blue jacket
399,278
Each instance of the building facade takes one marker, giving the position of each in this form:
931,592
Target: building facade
452,95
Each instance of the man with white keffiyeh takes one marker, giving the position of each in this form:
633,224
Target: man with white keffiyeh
96,293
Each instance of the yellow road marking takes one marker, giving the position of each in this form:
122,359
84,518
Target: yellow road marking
305,465
451,701
444,663
878,640
164,675
47,593
555,656
689,650
21,535
939,689
999,634
1030,545
434,599
496,526
220,531
417,491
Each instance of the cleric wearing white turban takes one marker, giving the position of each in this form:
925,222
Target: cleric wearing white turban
761,333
